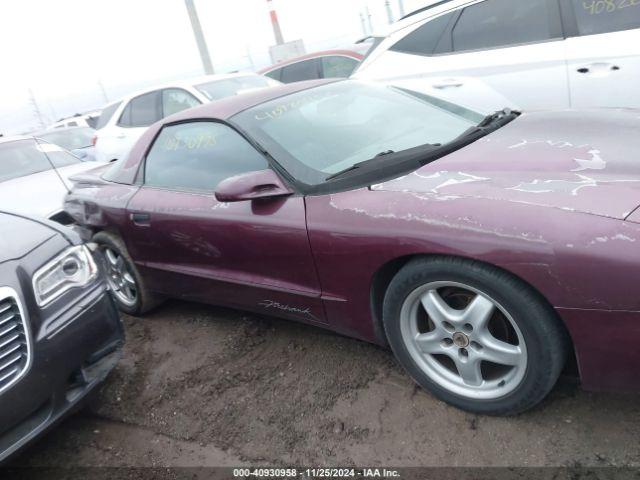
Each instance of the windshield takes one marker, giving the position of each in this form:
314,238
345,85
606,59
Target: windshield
321,131
230,87
70,139
26,157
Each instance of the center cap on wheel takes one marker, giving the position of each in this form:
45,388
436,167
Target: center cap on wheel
460,340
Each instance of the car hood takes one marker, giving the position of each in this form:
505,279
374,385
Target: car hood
40,194
585,161
26,235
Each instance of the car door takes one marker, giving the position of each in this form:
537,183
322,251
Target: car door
516,48
140,113
253,255
603,52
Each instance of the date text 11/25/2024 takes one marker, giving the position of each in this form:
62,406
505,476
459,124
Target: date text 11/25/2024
315,473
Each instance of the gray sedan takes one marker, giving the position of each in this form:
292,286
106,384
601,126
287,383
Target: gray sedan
34,177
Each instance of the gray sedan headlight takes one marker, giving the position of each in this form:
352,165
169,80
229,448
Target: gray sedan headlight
75,267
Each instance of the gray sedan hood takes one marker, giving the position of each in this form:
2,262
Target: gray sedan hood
41,194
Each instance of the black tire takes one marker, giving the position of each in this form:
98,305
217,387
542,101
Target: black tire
145,300
545,337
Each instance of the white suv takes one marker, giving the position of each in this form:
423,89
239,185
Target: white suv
123,123
537,53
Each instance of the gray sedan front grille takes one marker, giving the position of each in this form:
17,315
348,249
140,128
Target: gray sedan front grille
15,348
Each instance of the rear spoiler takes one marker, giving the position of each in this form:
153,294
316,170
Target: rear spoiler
92,177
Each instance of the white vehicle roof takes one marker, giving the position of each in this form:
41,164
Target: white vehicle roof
189,83
434,7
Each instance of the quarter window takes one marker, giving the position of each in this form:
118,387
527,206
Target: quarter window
605,16
502,23
197,156
176,100
275,74
425,39
106,115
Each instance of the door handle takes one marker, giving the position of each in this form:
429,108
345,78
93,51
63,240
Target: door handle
599,69
121,136
141,219
448,84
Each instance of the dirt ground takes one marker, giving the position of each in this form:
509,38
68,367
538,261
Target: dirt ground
203,386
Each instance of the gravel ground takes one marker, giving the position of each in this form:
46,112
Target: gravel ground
204,386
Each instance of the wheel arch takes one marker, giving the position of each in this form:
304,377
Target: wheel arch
384,275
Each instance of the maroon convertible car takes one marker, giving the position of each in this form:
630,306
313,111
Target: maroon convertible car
485,251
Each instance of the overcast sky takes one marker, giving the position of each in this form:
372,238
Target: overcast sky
62,50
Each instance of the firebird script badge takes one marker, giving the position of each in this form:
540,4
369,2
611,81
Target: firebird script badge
271,304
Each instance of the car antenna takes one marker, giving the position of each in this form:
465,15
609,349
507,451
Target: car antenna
40,145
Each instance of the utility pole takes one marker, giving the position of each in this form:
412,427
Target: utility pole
275,23
387,4
36,110
103,91
365,32
401,8
368,17
200,40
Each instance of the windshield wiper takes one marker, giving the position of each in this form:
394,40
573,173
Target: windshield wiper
356,166
494,117
493,121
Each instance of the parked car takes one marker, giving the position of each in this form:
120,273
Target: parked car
540,54
122,123
60,333
78,140
34,177
78,120
327,64
484,250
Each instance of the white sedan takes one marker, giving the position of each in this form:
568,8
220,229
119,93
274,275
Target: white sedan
123,123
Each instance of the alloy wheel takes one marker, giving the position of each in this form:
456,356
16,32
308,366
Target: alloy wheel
119,278
463,340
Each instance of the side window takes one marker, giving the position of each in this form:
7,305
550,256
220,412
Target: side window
338,67
175,100
142,111
425,39
198,156
501,23
298,72
275,74
600,16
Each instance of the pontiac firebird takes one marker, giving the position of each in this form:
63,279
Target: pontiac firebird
487,252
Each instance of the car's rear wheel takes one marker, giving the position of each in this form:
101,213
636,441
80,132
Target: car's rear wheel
473,335
125,283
